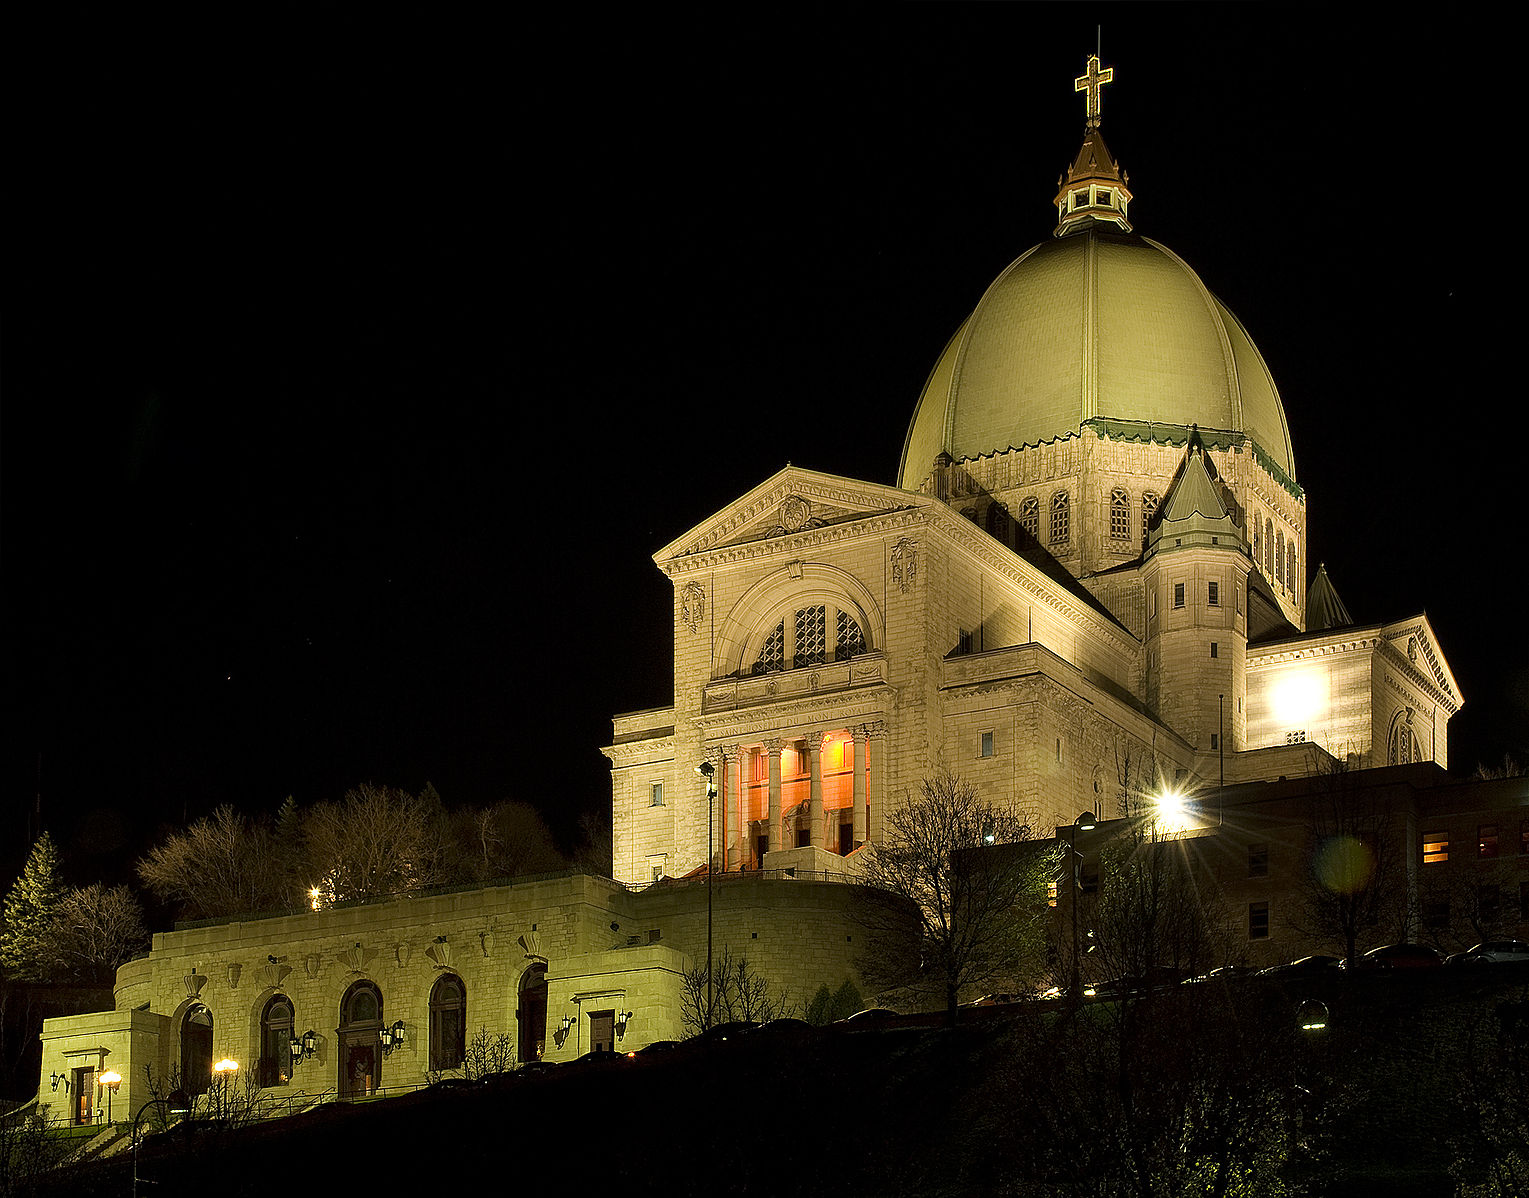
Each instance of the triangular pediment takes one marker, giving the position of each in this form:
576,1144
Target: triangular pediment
790,502
1413,641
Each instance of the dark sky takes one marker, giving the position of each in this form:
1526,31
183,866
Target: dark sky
354,367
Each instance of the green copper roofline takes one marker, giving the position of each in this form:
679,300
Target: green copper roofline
1178,434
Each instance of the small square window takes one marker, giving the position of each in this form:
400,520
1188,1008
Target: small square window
1178,594
1215,740
1258,861
657,795
1104,196
1214,598
1435,847
1215,649
985,744
1051,892
1486,840
1258,921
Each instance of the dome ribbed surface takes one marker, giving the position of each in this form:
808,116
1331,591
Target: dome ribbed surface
1093,324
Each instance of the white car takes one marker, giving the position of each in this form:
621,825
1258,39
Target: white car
1495,952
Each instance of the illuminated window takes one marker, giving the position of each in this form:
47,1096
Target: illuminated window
275,1040
656,798
1148,510
1061,518
1486,840
985,744
1435,847
1214,598
1258,861
1120,515
448,1022
1051,892
1178,595
1030,518
1258,921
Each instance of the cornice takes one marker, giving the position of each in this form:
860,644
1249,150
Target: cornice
1352,644
1398,661
792,544
827,711
630,752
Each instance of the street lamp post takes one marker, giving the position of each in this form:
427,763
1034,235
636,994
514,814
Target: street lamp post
1084,823
111,1079
709,772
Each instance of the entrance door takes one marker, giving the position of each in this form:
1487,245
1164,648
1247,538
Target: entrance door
84,1095
602,1031
360,1074
532,1014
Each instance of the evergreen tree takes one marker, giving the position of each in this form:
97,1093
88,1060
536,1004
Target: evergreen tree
29,909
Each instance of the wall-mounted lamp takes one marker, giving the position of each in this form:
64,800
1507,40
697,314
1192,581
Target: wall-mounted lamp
392,1037
621,1019
60,1077
302,1049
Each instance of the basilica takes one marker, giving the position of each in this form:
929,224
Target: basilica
1090,585
1089,590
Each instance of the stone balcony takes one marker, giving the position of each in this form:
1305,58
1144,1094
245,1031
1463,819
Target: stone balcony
734,694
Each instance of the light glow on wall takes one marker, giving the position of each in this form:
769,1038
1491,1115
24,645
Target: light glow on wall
1299,698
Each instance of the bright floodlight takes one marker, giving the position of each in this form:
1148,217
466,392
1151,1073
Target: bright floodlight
1171,807
226,1065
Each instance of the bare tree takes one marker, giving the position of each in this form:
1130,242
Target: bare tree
737,992
1354,877
969,890
94,930
507,840
225,864
377,841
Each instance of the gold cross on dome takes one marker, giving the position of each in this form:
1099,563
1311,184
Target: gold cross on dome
1093,82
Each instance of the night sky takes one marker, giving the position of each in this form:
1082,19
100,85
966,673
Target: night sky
354,368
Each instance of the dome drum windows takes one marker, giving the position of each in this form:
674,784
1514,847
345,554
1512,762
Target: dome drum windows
1120,515
1030,518
1061,519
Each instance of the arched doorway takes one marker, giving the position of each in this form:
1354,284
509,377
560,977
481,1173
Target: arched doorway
275,1063
360,1055
531,1015
196,1050
448,1023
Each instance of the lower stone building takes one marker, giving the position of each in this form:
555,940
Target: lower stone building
356,1000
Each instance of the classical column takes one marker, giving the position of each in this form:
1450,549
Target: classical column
773,747
860,736
732,776
876,800
815,787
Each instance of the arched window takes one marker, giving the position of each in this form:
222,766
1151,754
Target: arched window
1268,548
1403,748
998,522
1061,518
1258,541
196,1050
1030,518
1120,515
801,639
275,1064
1149,501
1279,556
1290,566
448,1022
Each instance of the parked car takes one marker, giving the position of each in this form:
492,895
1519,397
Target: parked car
1316,964
1492,952
730,1031
1223,973
994,1000
1400,956
870,1017
655,1049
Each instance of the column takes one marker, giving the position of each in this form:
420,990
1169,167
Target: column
815,787
732,778
858,766
773,747
876,800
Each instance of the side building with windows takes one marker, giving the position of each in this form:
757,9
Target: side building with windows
370,998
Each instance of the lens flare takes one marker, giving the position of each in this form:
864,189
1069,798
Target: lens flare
1344,864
